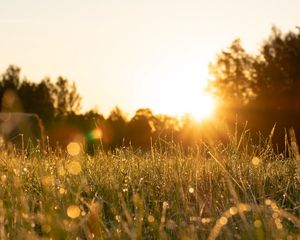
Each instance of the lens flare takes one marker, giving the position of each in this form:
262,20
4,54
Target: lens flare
95,134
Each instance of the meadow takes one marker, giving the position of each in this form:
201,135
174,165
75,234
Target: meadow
237,190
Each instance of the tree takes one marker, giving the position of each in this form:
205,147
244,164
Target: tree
118,127
36,98
66,98
279,71
233,81
265,87
9,85
140,128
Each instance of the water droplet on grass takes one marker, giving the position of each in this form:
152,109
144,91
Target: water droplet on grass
223,220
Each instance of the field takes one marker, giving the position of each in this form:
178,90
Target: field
236,190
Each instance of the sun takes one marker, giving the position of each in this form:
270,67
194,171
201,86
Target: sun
199,105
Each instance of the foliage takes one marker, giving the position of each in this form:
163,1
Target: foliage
66,98
262,89
233,75
46,99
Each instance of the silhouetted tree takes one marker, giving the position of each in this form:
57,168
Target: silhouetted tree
36,98
261,89
278,73
9,85
140,128
118,127
233,76
66,98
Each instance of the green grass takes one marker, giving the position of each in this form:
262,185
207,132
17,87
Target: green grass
224,191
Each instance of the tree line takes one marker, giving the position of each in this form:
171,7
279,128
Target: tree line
58,105
261,89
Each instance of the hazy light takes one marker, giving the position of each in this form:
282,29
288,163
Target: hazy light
130,50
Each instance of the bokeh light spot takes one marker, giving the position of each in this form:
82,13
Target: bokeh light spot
48,181
257,223
74,168
62,190
73,148
73,211
151,219
268,202
61,171
256,161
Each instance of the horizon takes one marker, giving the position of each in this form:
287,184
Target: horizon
134,54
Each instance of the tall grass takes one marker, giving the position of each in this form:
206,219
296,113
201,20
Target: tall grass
228,191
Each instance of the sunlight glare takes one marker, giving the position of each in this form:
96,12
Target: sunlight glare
199,105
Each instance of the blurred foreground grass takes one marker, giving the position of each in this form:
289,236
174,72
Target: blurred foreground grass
221,191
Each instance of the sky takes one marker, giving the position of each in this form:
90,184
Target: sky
134,53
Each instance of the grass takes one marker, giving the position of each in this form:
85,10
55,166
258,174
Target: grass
222,191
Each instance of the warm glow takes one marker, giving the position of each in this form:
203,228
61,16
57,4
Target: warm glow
182,101
133,54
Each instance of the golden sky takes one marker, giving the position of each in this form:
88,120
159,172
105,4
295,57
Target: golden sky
134,53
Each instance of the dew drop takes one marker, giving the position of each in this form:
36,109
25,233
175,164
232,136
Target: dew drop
118,218
233,210
223,220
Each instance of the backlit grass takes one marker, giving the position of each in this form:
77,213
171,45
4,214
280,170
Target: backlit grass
227,191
